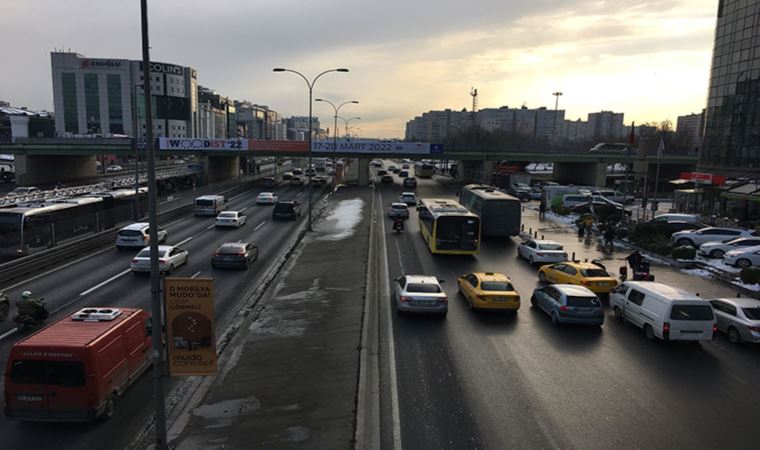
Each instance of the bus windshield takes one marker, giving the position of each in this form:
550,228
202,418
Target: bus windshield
10,229
457,233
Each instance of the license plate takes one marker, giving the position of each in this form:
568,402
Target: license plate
29,398
691,331
602,283
423,303
500,299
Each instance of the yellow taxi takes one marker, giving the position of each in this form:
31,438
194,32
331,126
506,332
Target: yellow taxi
488,290
598,280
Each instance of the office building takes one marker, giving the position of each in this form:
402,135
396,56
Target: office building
689,130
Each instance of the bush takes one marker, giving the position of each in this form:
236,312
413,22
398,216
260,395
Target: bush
561,210
648,238
684,252
750,275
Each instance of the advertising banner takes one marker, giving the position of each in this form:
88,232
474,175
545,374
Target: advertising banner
202,144
269,146
371,147
190,334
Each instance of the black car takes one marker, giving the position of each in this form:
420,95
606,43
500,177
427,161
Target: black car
382,172
234,255
287,210
603,209
523,194
403,174
387,179
268,182
410,182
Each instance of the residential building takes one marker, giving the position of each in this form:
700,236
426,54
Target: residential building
549,124
216,115
605,126
21,123
689,130
298,127
732,120
98,96
492,119
576,131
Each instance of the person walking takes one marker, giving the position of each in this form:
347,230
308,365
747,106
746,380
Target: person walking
542,209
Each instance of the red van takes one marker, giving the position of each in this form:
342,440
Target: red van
76,368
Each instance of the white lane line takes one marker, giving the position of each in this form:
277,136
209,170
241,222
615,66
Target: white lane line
100,285
385,295
185,241
7,333
209,227
259,226
242,209
28,280
299,193
400,259
196,274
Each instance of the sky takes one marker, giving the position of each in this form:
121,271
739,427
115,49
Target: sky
649,59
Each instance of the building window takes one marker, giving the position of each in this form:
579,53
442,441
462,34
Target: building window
115,113
92,103
69,88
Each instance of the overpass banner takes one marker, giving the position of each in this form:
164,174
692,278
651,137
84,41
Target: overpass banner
371,147
202,144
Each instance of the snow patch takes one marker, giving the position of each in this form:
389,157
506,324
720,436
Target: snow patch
749,287
342,220
702,273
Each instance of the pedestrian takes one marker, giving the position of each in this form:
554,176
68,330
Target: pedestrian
581,228
644,201
609,236
634,260
542,209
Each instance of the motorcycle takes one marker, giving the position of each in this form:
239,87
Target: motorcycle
24,321
5,306
398,226
640,273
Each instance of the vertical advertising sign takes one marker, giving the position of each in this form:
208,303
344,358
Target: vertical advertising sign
191,337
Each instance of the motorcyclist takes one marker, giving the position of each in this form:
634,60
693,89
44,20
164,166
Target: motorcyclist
31,307
398,224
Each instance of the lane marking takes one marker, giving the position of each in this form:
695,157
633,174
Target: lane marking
7,333
299,193
259,226
196,274
185,241
386,295
100,285
243,209
209,227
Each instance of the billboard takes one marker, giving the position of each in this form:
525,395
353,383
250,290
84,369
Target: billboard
269,146
201,144
372,147
190,330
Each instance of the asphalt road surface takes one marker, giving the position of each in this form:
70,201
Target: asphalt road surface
494,380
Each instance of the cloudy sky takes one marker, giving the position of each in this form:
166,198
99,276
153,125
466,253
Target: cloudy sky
649,59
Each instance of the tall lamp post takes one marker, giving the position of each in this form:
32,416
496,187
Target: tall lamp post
335,131
556,107
347,121
310,84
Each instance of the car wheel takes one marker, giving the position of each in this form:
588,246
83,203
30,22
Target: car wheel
555,318
734,336
170,269
649,332
717,253
533,300
470,305
685,242
531,260
542,277
743,263
617,313
110,409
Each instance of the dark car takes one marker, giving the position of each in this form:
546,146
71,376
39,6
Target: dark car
403,174
287,210
268,182
410,182
382,172
234,255
602,209
521,193
387,179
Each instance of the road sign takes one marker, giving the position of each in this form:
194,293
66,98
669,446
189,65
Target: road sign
191,338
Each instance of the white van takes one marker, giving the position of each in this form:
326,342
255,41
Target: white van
662,311
209,205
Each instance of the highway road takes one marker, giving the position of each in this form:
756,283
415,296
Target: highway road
491,380
103,278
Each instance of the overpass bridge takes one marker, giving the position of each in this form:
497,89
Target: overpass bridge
67,159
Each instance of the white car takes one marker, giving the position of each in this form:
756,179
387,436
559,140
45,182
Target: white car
420,293
169,258
541,251
695,238
230,219
743,257
114,168
717,249
398,210
266,198
138,235
408,197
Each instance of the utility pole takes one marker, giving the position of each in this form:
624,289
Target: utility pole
557,95
474,95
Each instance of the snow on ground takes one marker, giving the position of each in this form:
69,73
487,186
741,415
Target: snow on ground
342,220
703,273
750,287
718,264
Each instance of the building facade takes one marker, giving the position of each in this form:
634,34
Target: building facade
298,127
21,123
605,126
106,97
689,130
732,118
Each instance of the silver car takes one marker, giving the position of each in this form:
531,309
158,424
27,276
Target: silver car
743,257
717,249
739,318
420,293
695,238
169,258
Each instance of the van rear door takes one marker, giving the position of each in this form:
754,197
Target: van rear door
47,389
691,321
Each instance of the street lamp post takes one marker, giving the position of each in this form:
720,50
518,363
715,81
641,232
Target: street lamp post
310,84
347,121
335,132
556,107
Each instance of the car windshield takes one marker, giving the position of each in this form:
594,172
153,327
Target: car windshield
425,288
144,253
550,247
398,206
230,250
583,302
265,194
592,273
691,312
496,286
129,233
204,202
752,313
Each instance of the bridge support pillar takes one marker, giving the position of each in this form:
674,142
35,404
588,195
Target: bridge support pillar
222,167
51,169
581,173
363,167
475,171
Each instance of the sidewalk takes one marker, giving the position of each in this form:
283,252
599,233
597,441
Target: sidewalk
290,376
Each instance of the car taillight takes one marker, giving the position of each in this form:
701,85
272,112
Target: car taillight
443,300
134,261
216,253
666,327
404,298
162,261
563,308
715,329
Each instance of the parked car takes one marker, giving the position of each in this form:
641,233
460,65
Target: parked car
716,249
541,251
230,219
739,318
615,196
567,303
663,312
420,293
138,235
234,255
320,179
286,210
584,274
404,166
169,258
297,171
410,182
521,191
387,179
398,210
604,210
392,168
408,198
743,257
266,198
695,238
674,217
489,290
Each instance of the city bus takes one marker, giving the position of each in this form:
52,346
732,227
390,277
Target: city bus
448,227
499,213
423,169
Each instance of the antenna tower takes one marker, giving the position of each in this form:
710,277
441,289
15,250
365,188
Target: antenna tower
474,94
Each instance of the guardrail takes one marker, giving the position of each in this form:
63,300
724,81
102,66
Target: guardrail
28,265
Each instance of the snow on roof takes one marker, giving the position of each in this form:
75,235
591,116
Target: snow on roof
11,111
